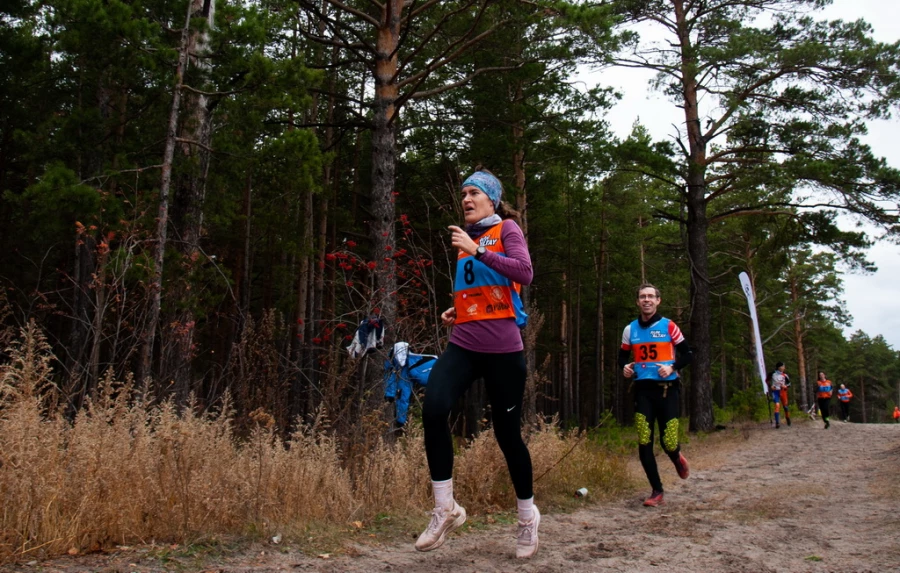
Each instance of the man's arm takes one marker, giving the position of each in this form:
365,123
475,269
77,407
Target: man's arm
625,353
625,347
683,354
624,357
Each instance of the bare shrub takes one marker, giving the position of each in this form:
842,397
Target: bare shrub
480,476
257,374
7,331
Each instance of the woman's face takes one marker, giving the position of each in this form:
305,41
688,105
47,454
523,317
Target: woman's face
476,204
821,376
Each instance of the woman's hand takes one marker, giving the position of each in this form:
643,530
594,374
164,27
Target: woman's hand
461,240
448,317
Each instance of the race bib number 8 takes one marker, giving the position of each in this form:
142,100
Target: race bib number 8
469,272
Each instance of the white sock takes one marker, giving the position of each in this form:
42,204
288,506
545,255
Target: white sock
526,509
443,493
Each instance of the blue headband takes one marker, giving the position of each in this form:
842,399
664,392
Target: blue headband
489,184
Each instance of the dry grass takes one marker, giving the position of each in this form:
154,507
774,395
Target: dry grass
567,461
563,462
124,472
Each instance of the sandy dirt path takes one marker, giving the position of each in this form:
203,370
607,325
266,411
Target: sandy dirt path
798,499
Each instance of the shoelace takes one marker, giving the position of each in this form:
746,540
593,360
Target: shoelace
526,532
437,516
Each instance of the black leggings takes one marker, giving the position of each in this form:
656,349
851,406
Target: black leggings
845,411
504,381
824,404
650,406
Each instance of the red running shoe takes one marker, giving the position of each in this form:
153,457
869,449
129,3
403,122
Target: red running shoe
682,466
655,499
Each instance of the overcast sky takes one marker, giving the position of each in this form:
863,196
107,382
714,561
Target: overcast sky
872,300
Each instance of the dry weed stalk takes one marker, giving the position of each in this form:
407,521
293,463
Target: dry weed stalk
562,462
565,461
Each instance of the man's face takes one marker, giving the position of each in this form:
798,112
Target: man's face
648,301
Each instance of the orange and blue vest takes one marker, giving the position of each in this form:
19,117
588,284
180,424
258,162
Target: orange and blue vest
652,347
844,394
824,389
481,293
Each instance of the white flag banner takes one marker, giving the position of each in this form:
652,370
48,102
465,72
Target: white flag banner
751,302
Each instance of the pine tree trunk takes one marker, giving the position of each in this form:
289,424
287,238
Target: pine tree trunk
189,195
518,133
302,322
239,311
384,164
701,413
798,343
599,345
576,359
317,299
618,391
642,253
723,372
700,396
97,323
243,281
565,378
162,218
89,301
77,359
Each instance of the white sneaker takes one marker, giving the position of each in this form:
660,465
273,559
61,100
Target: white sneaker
443,521
527,536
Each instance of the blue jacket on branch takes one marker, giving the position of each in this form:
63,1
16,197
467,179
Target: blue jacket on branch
402,372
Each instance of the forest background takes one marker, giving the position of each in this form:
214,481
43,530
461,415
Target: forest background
202,200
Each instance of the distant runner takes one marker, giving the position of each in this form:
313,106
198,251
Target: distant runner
778,389
844,395
823,397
